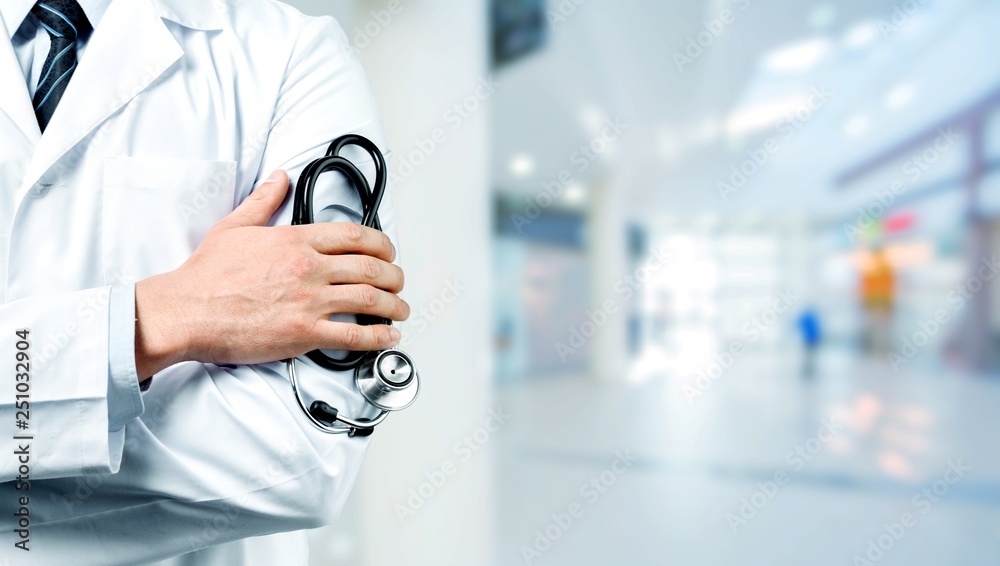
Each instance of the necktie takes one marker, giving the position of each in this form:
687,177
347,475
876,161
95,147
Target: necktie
65,21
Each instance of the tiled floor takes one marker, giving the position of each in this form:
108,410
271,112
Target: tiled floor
889,436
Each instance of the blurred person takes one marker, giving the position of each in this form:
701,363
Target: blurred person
809,328
138,135
877,290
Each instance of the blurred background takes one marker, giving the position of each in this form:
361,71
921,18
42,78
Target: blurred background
694,282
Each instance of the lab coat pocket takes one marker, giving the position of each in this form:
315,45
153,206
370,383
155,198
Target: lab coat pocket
157,211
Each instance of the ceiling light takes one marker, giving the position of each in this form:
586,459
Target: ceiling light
763,115
861,35
900,96
575,194
522,165
856,126
798,57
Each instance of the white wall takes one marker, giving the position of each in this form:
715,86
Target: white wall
429,56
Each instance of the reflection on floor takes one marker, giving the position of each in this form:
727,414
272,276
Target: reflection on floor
858,466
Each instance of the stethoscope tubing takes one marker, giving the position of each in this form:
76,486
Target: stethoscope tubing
352,425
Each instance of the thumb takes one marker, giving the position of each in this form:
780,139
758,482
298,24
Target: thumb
261,205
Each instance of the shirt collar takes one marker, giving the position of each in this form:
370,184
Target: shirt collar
14,12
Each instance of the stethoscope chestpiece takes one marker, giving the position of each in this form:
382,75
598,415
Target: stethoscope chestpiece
388,380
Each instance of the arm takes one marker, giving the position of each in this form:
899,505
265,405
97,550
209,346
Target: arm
223,453
254,294
76,397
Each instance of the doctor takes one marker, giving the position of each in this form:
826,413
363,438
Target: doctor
136,238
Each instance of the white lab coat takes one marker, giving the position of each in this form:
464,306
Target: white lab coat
177,110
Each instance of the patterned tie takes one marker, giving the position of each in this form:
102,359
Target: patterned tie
65,22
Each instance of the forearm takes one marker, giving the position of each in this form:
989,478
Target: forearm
63,384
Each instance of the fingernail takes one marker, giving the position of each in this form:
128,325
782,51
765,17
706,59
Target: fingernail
395,335
274,177
393,253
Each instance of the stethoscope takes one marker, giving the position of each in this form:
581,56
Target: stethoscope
387,379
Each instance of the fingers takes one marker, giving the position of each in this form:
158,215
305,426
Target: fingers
336,238
356,338
365,299
261,205
350,269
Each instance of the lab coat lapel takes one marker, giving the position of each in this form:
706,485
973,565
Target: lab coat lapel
129,50
14,98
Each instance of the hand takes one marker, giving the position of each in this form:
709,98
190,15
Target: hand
255,294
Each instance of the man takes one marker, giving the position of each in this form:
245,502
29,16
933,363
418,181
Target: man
877,289
134,243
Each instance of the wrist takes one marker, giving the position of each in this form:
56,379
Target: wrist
162,338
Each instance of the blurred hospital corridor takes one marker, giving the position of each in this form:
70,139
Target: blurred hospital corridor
695,282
